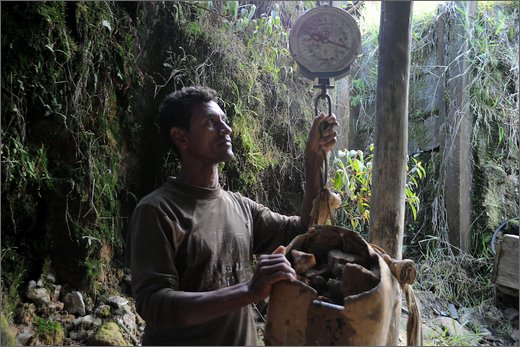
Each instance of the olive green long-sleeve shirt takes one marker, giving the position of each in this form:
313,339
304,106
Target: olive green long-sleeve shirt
188,238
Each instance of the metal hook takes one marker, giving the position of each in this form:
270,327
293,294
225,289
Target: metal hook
323,85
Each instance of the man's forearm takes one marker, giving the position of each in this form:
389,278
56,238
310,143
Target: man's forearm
168,307
313,164
192,308
319,143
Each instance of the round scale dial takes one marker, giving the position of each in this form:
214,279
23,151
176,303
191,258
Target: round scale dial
324,42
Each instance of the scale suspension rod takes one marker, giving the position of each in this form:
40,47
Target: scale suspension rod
323,85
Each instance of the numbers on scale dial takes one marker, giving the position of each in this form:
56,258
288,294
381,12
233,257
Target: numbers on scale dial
326,40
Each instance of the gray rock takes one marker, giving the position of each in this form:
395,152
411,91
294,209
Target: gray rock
56,306
56,292
117,301
89,304
25,335
129,320
109,334
78,334
86,322
451,326
121,311
103,311
51,278
40,296
74,303
32,284
429,332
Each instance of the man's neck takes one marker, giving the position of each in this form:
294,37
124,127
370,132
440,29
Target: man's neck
206,176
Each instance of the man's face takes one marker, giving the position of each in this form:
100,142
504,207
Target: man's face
209,137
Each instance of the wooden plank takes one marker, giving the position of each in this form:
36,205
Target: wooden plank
507,262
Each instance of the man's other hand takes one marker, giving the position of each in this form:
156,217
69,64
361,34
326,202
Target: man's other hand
271,268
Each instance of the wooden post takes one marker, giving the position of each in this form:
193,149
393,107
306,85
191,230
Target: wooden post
455,115
387,204
342,111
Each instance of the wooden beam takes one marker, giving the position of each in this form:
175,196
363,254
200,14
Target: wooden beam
387,204
455,114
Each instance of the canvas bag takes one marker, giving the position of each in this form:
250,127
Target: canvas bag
371,286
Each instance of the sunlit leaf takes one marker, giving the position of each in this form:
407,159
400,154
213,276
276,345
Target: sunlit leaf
106,24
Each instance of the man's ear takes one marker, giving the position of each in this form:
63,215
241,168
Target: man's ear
178,136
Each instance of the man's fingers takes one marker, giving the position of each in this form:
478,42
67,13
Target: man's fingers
271,263
281,276
267,265
327,124
279,250
326,141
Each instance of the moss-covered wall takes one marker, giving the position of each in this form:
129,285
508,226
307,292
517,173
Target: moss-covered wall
66,74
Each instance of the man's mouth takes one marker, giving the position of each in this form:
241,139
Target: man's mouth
224,141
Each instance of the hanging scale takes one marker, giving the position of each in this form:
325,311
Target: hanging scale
324,42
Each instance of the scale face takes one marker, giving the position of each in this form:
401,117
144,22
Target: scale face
324,42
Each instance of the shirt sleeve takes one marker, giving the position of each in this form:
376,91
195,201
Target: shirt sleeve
155,280
271,229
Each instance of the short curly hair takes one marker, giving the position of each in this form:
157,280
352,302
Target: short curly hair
176,109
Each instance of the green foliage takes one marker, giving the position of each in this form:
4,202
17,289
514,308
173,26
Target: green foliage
494,104
492,72
265,38
108,333
48,332
414,176
462,339
7,336
13,274
243,55
65,107
353,179
23,166
462,279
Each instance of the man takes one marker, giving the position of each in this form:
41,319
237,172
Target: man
191,242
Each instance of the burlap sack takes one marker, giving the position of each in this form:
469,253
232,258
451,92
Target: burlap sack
371,287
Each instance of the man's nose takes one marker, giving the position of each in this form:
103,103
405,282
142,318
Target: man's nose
225,129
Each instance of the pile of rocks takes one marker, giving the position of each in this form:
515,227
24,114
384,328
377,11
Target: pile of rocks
335,274
51,314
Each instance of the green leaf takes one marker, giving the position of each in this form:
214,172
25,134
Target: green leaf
251,12
414,212
336,182
355,165
106,24
344,180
